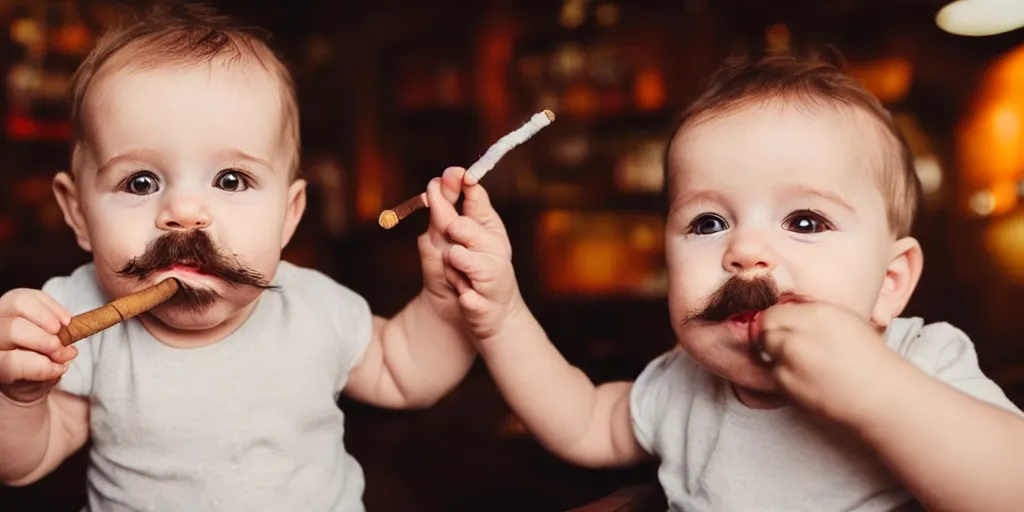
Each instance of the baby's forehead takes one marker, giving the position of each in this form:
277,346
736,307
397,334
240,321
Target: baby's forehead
170,109
149,71
781,118
777,133
141,92
774,147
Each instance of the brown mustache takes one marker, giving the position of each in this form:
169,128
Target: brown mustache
193,249
739,295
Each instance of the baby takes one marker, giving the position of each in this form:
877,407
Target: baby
185,165
791,196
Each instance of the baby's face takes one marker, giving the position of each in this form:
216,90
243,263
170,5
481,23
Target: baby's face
773,190
176,150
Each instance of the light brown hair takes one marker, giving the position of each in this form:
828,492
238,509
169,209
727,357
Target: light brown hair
814,77
182,34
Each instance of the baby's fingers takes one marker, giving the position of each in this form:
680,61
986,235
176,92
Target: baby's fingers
36,307
457,280
480,268
18,332
22,365
58,309
442,212
473,302
451,183
478,206
468,232
64,355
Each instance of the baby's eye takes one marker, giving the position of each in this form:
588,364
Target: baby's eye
141,184
807,222
232,181
708,224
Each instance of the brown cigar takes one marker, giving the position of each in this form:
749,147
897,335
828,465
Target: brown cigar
390,218
92,322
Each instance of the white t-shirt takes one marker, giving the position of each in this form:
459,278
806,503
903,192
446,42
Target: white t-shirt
248,423
718,455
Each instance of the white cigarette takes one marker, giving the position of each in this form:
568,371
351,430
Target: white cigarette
505,144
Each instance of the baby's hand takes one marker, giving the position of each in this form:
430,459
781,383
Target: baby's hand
442,194
827,359
479,265
32,358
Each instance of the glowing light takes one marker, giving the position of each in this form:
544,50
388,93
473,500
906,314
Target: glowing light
929,172
1004,241
983,202
981,17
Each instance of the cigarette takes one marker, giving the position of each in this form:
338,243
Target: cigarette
390,218
113,313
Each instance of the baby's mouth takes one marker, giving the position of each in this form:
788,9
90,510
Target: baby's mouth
744,317
188,267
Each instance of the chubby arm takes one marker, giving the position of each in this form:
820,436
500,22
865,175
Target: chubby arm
418,356
921,413
954,452
39,427
37,437
582,423
413,360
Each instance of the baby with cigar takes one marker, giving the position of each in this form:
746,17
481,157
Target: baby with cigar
185,165
795,384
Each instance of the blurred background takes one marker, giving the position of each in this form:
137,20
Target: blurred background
392,92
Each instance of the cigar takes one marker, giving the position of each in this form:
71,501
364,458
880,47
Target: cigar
104,317
391,217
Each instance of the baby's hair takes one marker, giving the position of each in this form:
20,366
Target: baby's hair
813,77
182,34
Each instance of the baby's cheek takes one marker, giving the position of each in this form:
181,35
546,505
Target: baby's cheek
261,251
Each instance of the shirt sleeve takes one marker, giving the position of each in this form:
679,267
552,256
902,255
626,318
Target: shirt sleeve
355,324
352,322
948,354
78,379
651,397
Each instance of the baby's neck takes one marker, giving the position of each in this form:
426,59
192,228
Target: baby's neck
759,400
195,338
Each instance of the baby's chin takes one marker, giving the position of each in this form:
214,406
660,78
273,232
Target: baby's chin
194,316
722,354
185,318
754,378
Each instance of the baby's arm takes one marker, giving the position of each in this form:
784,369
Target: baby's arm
38,428
37,437
582,423
950,449
953,451
418,356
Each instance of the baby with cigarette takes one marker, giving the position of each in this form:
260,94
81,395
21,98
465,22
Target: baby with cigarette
795,384
223,397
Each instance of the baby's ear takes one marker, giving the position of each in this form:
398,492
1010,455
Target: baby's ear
66,192
901,277
295,208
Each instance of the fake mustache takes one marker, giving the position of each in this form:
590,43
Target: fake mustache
739,295
192,249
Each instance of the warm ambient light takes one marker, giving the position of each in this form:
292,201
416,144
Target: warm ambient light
981,17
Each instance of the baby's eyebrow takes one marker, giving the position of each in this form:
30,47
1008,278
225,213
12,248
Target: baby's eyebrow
683,200
241,156
705,195
828,195
132,156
